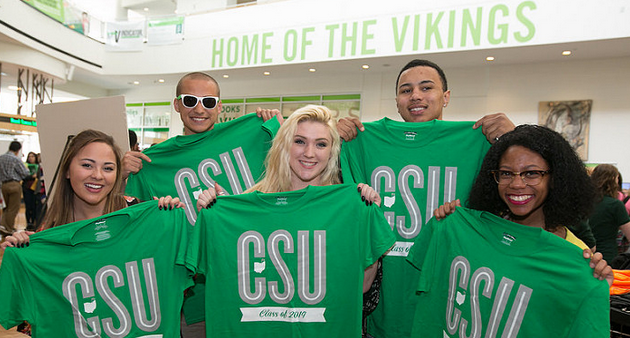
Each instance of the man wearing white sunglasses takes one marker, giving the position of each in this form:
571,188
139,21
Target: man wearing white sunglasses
197,102
230,154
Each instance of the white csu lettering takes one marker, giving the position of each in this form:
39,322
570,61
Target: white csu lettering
78,287
416,175
207,168
252,243
460,279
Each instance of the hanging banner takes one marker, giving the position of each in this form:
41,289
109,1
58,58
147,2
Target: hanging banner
125,36
52,8
165,31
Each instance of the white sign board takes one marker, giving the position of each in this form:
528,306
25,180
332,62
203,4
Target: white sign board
57,121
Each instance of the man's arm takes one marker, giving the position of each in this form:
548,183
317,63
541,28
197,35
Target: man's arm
267,114
21,169
347,128
132,163
494,126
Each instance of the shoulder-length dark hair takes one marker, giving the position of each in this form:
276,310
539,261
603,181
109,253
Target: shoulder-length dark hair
606,180
571,192
61,210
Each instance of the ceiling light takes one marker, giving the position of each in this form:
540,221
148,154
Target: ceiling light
161,80
13,87
4,74
566,52
146,9
365,66
266,73
312,70
225,76
136,82
490,58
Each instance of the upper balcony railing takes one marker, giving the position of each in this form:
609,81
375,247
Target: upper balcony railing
80,18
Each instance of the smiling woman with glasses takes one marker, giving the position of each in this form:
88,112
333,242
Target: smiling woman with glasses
533,177
552,190
534,281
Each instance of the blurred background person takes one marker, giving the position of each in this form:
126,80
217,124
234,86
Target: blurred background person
610,214
12,171
28,190
133,141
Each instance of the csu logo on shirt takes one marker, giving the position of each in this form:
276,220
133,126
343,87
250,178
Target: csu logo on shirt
254,253
80,290
206,169
471,289
384,181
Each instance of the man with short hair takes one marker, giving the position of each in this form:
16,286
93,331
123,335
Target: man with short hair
204,90
12,171
418,100
230,154
416,166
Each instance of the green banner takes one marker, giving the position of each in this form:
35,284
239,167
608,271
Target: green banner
52,8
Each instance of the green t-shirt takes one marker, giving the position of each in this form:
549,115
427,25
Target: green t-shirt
483,276
287,264
232,154
608,216
415,167
119,275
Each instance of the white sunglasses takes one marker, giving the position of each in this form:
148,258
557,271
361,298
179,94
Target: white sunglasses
191,101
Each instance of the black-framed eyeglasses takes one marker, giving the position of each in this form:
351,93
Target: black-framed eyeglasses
191,101
529,177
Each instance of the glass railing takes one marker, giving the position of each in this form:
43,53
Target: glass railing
163,28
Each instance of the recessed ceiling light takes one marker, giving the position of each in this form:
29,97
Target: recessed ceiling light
266,73
312,70
13,87
225,76
136,82
566,52
365,66
146,9
490,58
161,80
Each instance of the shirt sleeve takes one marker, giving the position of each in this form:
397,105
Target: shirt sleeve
620,213
592,319
137,187
352,170
583,232
14,291
271,126
424,254
21,170
184,234
418,251
379,237
195,250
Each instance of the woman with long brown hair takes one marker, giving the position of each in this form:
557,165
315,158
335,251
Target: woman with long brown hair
610,214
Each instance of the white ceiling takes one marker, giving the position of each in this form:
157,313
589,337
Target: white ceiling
600,49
